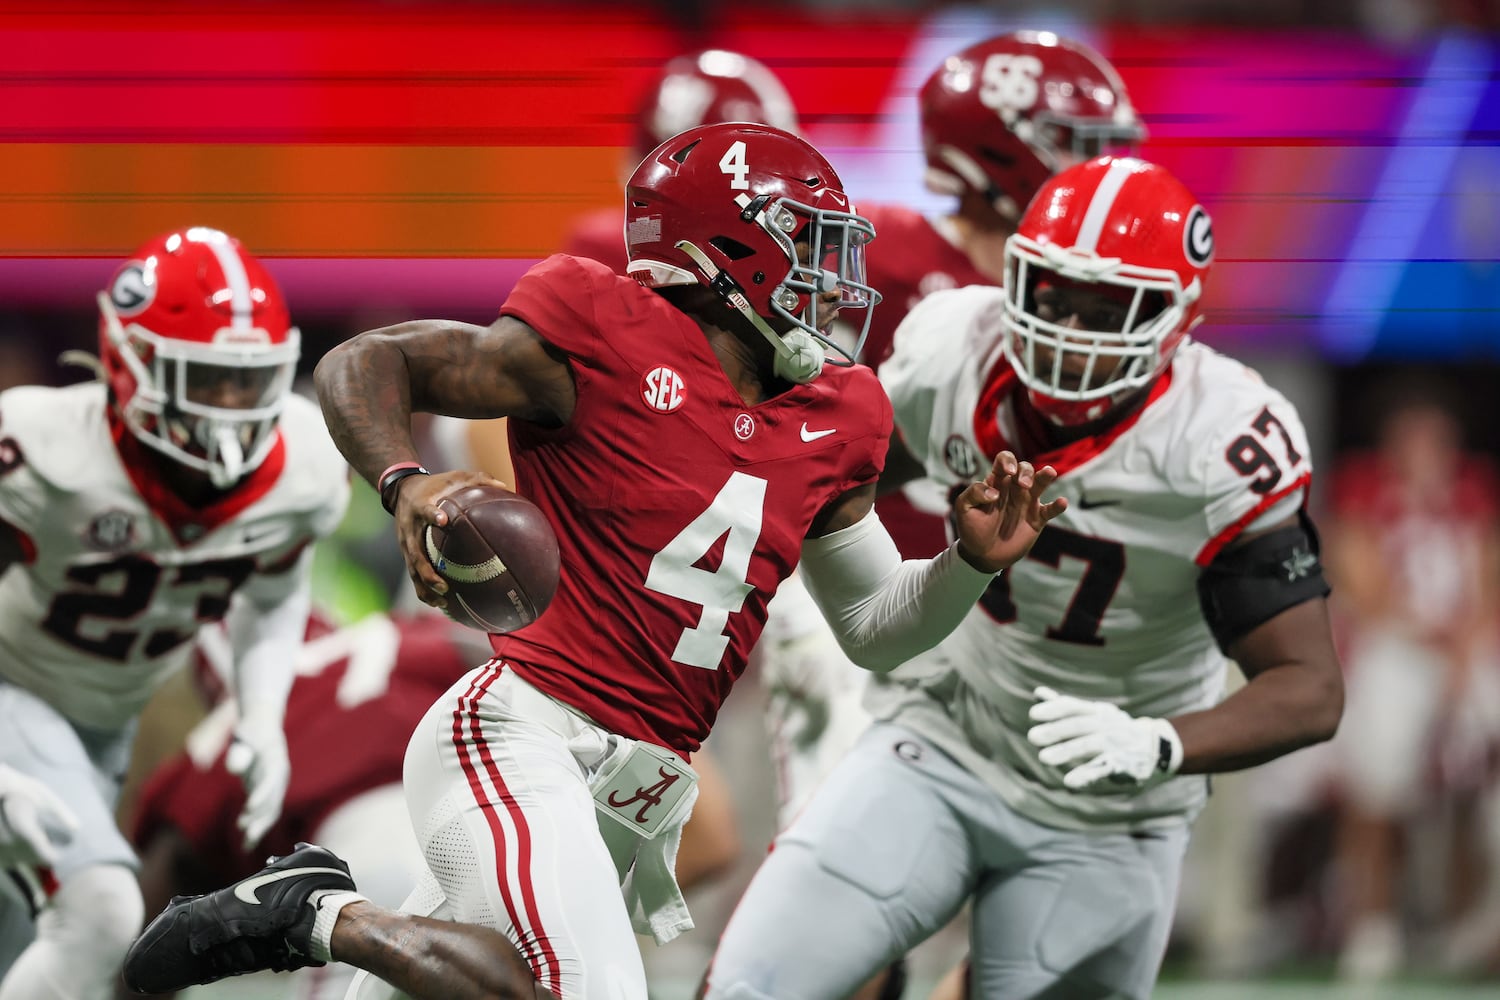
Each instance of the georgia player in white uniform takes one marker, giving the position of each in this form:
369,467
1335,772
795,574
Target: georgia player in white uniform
184,487
1042,103
1045,761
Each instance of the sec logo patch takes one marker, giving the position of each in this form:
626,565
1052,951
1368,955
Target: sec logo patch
960,457
663,390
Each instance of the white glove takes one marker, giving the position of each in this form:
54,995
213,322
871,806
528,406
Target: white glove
1109,749
34,823
258,756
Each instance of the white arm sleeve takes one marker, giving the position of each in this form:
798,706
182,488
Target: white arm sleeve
885,611
265,633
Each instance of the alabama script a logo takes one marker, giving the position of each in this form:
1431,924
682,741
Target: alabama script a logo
647,797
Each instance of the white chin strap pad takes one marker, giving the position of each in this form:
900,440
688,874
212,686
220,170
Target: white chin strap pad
231,457
803,359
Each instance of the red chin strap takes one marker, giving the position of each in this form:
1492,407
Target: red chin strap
1069,413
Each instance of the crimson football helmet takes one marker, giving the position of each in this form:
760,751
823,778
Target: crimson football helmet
198,351
1003,115
714,85
1115,252
760,217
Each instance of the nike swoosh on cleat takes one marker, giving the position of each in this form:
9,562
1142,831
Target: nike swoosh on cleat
810,436
246,889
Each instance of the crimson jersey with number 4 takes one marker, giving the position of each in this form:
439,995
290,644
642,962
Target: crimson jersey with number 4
119,573
1105,605
679,509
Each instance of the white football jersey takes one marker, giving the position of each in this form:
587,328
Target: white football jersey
1106,605
120,573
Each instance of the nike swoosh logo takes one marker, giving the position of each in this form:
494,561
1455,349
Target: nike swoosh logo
246,889
808,435
1084,503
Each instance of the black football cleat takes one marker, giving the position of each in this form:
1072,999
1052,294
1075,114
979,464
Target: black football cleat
258,923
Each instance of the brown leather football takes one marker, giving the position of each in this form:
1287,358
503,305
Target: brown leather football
499,556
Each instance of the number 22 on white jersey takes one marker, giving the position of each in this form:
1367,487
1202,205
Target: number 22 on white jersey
738,509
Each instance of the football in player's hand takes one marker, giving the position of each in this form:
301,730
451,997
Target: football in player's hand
499,556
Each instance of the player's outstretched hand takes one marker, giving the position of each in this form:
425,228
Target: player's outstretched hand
416,508
1000,517
259,758
34,823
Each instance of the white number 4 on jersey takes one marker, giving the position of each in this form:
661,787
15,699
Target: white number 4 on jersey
738,509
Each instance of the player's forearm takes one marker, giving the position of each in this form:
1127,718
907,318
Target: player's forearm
265,638
882,610
1283,708
364,389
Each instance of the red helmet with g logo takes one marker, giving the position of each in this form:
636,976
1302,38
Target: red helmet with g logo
714,85
759,216
198,351
1104,278
1003,115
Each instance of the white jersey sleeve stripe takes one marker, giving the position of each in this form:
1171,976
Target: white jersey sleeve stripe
1217,543
1103,200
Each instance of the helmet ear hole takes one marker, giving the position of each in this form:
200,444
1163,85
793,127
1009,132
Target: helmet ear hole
731,248
1153,304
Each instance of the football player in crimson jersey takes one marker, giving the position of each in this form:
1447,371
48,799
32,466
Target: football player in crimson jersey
1044,762
363,686
699,88
688,443
184,486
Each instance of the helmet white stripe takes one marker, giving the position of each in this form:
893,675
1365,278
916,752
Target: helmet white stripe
1102,202
241,309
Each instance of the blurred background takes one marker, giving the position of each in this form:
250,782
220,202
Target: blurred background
392,160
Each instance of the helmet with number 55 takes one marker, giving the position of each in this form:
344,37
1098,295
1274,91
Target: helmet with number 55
198,351
1104,278
1001,116
758,216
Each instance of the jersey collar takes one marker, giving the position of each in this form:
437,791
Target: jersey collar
1002,386
188,523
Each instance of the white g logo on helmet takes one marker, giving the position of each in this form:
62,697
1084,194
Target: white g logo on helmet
1198,237
130,293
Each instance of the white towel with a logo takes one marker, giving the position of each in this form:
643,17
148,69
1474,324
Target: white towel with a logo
643,795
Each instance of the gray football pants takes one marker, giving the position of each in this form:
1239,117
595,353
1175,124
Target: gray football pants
894,843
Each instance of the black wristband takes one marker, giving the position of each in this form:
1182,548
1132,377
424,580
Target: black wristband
387,486
1163,755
